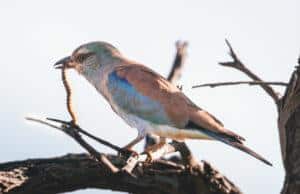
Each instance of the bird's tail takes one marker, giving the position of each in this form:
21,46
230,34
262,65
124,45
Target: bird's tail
228,138
247,150
239,145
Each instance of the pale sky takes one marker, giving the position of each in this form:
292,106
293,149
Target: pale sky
34,34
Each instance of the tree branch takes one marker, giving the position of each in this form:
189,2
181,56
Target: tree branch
217,84
78,171
237,64
74,134
177,66
289,131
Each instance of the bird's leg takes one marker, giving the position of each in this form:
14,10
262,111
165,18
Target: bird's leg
127,149
154,148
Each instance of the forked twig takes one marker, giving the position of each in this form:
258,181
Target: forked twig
97,139
73,133
237,64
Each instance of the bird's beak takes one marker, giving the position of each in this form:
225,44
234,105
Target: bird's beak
65,62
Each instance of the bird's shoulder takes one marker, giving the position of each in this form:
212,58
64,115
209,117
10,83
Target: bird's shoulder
144,78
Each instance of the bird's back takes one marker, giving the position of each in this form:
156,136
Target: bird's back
143,92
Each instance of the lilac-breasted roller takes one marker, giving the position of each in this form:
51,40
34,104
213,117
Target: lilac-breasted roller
145,100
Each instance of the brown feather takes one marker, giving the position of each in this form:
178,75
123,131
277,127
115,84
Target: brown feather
179,108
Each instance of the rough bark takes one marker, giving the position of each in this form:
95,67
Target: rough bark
79,171
289,130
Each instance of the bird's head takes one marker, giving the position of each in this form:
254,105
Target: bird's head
90,57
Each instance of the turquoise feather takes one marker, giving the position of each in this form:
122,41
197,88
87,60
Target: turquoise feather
131,101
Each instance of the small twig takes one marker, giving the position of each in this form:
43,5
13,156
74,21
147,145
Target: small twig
237,64
176,70
217,84
43,122
99,140
73,133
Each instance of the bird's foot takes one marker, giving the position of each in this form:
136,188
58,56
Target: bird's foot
149,158
152,149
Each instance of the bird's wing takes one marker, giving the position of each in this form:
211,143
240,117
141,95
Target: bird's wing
204,121
139,90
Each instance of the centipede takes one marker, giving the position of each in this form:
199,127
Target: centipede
69,94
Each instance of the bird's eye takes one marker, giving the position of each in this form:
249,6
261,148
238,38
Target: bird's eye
81,57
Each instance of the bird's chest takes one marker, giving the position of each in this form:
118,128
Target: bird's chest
135,122
110,94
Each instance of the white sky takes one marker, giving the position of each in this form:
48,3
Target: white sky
34,34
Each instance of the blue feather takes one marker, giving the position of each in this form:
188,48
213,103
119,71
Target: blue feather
131,101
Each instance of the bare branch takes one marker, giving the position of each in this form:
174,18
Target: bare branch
79,129
237,64
73,133
217,84
176,69
78,171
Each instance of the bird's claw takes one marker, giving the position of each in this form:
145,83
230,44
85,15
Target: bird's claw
149,158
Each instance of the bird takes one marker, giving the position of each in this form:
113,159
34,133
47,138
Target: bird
145,100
